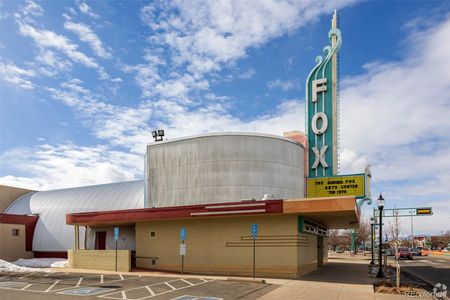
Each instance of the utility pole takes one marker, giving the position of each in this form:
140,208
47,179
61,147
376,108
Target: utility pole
412,230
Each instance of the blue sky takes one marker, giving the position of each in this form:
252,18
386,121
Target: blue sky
82,84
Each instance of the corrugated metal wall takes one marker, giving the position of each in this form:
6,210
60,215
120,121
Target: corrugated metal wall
223,168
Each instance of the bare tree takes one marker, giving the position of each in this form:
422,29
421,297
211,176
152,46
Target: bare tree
394,229
333,238
363,231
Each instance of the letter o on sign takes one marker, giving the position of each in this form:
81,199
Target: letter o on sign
323,128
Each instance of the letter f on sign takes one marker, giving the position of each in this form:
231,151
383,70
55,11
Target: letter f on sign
318,85
319,157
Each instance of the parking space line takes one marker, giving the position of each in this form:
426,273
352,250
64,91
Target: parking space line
124,296
52,286
95,283
101,278
150,291
175,289
27,286
79,281
26,276
184,280
171,286
121,276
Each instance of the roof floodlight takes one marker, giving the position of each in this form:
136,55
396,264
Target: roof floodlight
158,135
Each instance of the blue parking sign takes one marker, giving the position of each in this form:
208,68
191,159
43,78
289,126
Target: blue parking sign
182,233
116,233
254,230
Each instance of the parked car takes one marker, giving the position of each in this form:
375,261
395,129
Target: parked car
340,250
403,253
416,251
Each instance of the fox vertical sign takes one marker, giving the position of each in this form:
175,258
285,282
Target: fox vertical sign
322,110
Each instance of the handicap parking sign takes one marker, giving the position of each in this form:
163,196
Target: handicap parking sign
182,233
116,233
254,230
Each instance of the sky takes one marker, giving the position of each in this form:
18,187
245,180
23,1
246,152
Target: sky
83,84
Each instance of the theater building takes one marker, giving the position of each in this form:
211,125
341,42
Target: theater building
218,203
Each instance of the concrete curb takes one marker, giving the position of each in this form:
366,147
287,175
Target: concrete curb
246,279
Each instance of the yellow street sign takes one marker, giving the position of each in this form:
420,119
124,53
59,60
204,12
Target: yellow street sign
346,185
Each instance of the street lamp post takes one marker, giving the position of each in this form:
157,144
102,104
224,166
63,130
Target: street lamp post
380,202
371,239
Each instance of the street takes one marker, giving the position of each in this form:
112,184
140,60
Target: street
432,269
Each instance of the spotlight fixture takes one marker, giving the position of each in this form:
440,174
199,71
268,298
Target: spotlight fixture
158,135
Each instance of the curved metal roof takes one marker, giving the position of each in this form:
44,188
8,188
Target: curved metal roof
219,134
52,233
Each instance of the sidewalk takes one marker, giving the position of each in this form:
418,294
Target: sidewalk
344,277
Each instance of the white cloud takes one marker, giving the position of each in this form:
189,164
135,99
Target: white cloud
396,116
50,166
86,9
283,85
13,74
31,8
118,125
46,39
205,34
49,63
179,121
200,38
86,34
247,74
49,39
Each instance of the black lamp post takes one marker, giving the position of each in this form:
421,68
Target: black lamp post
380,202
372,225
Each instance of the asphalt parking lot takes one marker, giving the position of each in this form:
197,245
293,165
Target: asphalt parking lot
40,285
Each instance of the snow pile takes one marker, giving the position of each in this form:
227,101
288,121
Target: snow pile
42,262
10,267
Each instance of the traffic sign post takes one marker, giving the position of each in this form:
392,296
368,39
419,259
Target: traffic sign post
116,238
254,236
404,212
182,247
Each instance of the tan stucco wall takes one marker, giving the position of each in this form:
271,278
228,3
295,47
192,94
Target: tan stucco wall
9,194
13,247
223,246
99,259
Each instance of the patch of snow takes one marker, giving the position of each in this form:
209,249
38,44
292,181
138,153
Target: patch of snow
60,264
11,267
42,262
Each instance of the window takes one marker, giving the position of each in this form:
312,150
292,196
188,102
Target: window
15,232
152,234
153,262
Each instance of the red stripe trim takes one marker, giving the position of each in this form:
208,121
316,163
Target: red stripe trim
50,254
144,214
28,221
